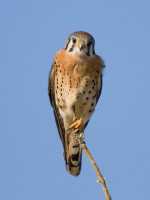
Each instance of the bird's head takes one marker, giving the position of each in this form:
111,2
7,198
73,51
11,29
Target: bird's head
81,43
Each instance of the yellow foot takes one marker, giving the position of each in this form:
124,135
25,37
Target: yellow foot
76,124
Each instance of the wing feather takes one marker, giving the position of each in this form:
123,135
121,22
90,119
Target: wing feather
51,92
101,80
100,88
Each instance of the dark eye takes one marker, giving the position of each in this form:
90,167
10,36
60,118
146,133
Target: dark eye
89,44
74,40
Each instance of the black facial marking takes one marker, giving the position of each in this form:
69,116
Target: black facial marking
71,49
67,43
74,40
89,44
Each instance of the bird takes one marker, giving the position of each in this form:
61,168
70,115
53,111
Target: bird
74,88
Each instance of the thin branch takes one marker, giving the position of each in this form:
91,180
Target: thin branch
99,175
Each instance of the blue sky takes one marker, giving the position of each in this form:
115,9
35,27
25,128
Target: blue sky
31,155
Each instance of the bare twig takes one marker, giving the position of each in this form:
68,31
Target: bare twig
99,175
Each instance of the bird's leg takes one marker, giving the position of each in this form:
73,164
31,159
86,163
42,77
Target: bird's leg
77,124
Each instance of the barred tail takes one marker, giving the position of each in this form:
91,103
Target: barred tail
74,155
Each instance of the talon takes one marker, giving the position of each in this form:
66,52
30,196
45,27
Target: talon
76,124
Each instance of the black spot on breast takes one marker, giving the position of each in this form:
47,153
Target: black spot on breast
89,91
92,104
93,82
60,107
87,98
70,83
83,92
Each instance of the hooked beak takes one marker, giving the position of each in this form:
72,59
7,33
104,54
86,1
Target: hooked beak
81,45
83,49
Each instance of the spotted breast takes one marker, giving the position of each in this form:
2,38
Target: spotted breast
77,83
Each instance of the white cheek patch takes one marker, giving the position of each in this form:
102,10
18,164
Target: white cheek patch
76,50
73,48
70,45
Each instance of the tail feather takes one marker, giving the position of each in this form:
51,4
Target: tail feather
74,155
74,164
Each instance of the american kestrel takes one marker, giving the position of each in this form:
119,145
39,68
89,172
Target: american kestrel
74,87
